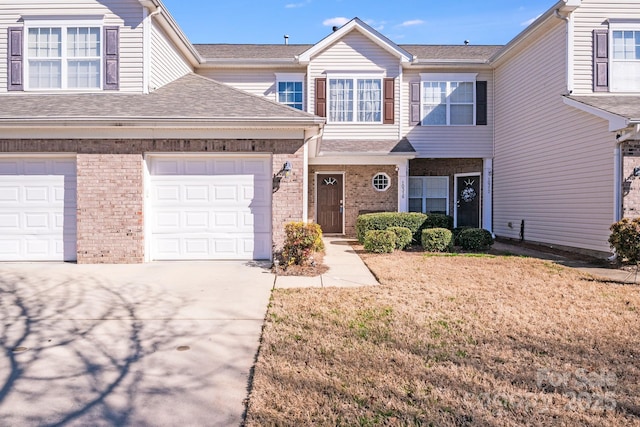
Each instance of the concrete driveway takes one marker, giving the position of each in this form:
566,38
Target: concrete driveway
161,344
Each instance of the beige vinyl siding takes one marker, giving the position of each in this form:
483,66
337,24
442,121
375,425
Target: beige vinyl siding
256,81
167,64
591,15
352,54
449,141
553,164
127,14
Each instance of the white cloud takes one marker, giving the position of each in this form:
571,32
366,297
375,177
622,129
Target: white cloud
529,21
378,26
297,5
337,21
412,23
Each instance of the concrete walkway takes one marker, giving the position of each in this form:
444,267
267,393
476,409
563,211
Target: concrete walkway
346,269
597,270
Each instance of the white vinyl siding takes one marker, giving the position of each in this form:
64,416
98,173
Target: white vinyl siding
356,54
167,63
591,15
449,141
553,164
126,14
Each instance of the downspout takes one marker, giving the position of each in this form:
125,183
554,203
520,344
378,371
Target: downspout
570,51
146,79
305,175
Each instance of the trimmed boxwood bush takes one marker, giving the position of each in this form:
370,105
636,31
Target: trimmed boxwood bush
475,239
437,240
380,241
301,241
381,221
456,233
625,239
438,221
403,236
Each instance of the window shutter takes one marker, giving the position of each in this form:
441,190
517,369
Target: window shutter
321,97
389,101
15,57
111,58
414,104
481,103
600,60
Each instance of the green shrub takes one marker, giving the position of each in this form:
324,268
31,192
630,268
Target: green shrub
456,233
437,240
301,241
475,239
403,236
380,241
438,221
381,221
625,239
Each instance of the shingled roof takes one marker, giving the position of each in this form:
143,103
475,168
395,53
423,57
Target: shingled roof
283,52
623,106
191,97
343,146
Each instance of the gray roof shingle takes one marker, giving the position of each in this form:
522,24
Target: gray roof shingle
339,146
190,97
621,105
283,52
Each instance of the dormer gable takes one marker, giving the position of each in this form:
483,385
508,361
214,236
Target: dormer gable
356,25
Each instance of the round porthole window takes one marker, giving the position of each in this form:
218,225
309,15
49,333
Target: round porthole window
381,181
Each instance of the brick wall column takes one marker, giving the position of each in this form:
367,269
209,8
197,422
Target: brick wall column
110,208
287,201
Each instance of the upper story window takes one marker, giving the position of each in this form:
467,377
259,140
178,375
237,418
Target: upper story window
355,100
63,57
625,57
290,89
448,99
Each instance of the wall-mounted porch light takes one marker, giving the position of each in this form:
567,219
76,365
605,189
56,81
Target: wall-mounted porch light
636,171
285,172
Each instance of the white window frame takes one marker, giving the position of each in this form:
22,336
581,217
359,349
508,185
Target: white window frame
291,78
64,23
424,197
617,82
354,78
373,181
448,78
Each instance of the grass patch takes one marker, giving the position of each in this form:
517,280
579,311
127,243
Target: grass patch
452,341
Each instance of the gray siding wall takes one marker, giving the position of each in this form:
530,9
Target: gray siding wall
553,164
127,14
167,63
449,141
591,15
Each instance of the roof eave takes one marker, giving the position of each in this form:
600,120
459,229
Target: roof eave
166,122
565,6
616,122
248,62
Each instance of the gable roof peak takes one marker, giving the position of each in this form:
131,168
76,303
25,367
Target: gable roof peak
365,29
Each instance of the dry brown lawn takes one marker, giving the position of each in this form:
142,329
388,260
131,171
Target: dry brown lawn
452,341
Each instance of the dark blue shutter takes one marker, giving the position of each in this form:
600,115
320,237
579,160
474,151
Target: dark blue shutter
15,59
111,58
481,103
600,60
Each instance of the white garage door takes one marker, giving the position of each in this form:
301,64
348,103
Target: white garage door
210,208
37,209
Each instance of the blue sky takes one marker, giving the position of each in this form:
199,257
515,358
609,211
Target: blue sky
308,21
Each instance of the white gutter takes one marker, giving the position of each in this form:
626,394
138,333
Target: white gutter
164,122
568,18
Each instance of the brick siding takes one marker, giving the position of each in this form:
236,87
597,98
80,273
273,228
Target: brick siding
359,192
110,195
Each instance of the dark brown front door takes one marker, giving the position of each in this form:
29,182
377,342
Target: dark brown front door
330,203
468,201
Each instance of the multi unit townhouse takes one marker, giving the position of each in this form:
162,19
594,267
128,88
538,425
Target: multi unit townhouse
121,141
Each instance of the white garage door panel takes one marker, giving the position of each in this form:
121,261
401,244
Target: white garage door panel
215,208
37,209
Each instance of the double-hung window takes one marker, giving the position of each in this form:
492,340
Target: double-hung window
355,99
290,89
625,58
448,99
429,194
63,56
